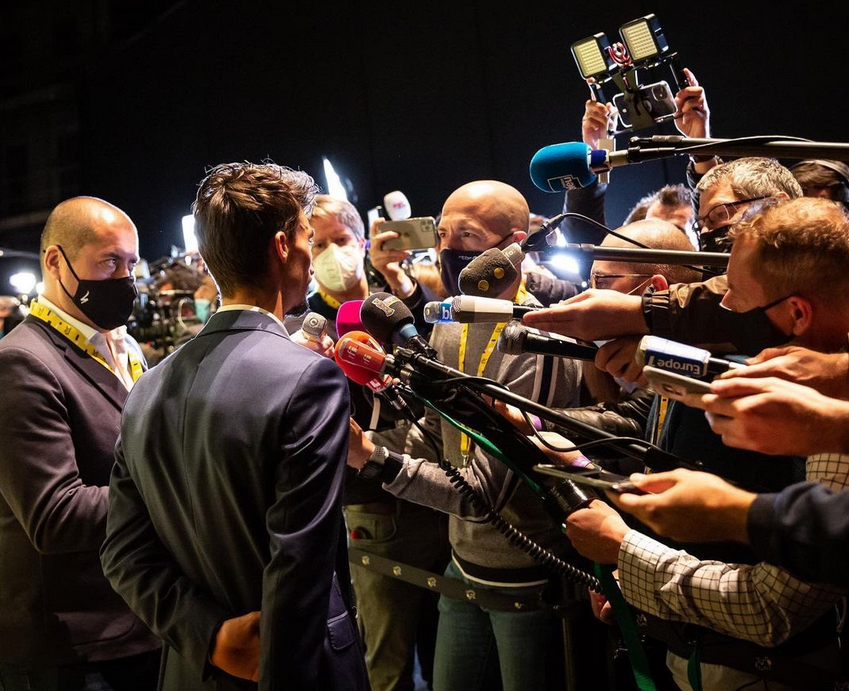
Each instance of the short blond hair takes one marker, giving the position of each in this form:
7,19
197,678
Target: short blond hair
340,209
802,247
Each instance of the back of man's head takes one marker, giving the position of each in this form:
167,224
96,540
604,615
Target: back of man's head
801,248
823,178
751,178
239,208
657,235
668,198
341,210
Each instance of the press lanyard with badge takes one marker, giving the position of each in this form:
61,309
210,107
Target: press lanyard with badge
53,320
521,296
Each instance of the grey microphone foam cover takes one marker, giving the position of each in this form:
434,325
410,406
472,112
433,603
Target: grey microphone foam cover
488,275
314,325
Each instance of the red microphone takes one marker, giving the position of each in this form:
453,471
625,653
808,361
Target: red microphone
363,360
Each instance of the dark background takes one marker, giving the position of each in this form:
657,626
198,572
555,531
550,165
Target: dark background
133,101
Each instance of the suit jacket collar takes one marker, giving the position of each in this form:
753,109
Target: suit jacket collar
106,382
242,320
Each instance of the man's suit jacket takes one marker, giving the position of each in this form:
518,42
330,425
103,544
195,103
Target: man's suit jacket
226,499
60,413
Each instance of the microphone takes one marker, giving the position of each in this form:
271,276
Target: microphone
362,360
680,358
314,327
494,271
641,255
438,312
389,320
516,339
468,309
397,206
348,318
571,166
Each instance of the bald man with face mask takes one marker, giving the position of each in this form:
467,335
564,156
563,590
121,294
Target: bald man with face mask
478,216
66,372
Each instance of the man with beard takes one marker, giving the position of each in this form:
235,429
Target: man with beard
227,487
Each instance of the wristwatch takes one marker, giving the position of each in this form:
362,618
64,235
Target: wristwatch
375,463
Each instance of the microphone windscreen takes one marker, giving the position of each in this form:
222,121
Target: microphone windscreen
348,318
488,275
314,325
383,315
357,373
397,206
560,167
512,339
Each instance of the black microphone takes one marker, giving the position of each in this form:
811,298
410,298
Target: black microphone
389,320
572,165
640,255
516,339
494,271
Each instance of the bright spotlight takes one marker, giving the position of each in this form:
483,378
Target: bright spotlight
23,282
335,187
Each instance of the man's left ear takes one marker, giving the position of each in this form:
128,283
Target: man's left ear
801,312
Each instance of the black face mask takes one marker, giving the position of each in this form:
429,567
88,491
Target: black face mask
451,263
715,240
108,303
753,330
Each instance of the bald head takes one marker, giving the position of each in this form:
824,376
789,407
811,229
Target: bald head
654,234
500,208
79,221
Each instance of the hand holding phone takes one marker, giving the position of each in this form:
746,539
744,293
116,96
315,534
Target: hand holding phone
672,385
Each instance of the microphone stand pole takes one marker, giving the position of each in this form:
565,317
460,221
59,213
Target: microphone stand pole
772,146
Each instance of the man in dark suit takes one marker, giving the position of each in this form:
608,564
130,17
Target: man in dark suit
225,500
65,371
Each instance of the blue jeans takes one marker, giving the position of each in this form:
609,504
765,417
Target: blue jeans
475,645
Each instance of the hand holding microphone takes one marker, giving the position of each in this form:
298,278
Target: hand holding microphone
313,335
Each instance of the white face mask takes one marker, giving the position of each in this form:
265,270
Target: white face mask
339,268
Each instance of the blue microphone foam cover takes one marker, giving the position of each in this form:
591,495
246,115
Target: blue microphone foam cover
560,167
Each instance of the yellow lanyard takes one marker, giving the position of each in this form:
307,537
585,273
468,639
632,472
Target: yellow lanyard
52,319
521,296
662,409
332,303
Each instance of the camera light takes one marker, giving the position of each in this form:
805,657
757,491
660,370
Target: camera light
592,57
565,263
335,186
644,38
190,240
23,282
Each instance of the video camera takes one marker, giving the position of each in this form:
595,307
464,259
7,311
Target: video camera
164,313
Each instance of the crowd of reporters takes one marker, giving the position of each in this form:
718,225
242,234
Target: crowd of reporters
737,568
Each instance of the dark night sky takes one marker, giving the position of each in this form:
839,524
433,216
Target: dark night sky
418,96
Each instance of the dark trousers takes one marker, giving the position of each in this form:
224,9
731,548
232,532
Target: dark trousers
136,673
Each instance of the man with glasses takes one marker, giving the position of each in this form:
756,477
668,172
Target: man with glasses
791,255
685,312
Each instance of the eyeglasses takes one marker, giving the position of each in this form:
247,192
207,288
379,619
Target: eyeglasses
721,214
600,281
